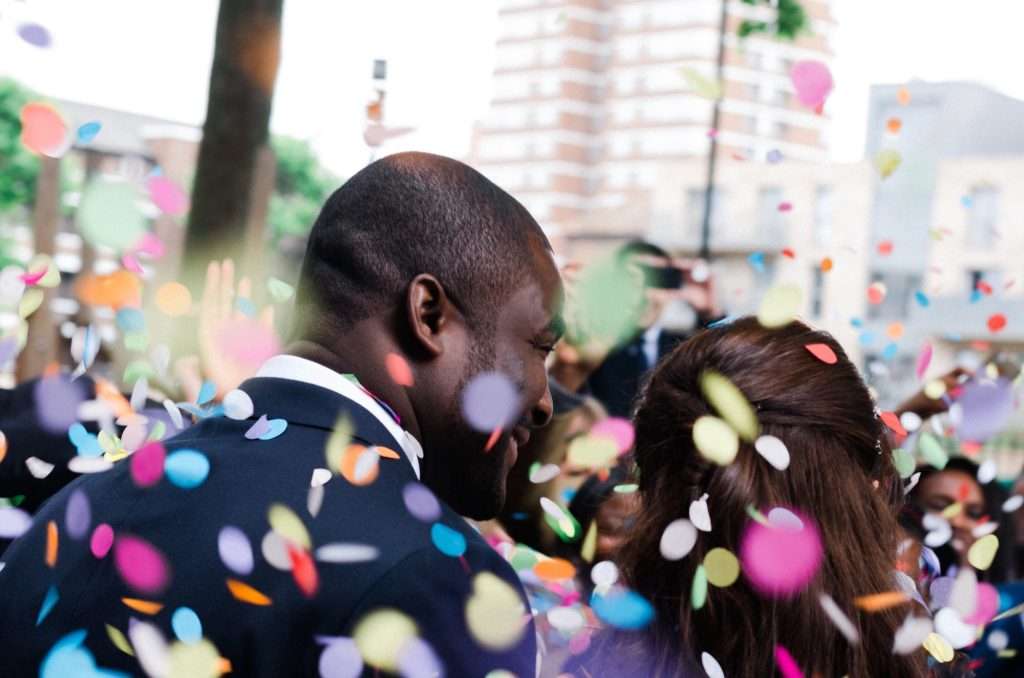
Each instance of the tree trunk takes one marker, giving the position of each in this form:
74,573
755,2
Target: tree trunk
242,79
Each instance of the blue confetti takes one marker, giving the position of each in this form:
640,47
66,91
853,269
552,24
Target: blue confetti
130,320
87,444
48,602
186,625
774,156
722,322
866,338
245,307
967,201
67,658
448,541
206,392
276,428
922,299
756,260
187,468
975,296
88,131
624,609
856,322
890,350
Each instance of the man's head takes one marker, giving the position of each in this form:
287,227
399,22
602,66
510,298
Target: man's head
659,275
422,256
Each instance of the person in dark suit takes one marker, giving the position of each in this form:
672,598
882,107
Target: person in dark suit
336,541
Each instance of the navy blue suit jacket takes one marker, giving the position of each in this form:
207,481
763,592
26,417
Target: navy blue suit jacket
246,477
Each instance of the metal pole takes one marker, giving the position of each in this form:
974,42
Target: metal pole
709,187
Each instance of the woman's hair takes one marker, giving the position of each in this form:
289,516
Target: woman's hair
840,474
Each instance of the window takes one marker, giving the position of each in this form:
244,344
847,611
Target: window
822,216
899,292
984,282
982,217
769,219
695,209
817,291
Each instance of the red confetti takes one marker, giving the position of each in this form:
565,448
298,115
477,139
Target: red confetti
893,422
984,288
823,352
996,322
789,253
970,448
885,248
495,434
876,293
304,571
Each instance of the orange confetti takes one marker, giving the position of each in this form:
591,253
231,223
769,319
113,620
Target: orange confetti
554,569
3,446
223,666
398,369
386,452
885,248
788,252
173,299
894,331
143,606
43,130
247,594
826,264
350,460
823,352
881,601
970,447
116,290
980,345
996,322
893,422
51,543
903,96
495,434
111,395
893,125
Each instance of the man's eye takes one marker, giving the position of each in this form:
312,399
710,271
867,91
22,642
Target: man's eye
544,348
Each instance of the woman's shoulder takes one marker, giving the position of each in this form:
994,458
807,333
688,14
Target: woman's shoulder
628,655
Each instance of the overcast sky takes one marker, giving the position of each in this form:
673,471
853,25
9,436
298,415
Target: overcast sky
153,56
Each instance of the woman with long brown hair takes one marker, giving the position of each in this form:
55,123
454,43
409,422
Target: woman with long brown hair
840,476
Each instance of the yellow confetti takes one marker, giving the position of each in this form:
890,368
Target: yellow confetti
495,615
143,606
887,161
938,647
730,403
715,440
338,442
31,300
589,547
780,305
701,85
194,660
952,511
592,452
246,593
935,389
119,641
983,552
721,567
287,524
381,635
173,299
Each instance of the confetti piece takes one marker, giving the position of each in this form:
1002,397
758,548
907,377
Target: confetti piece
780,305
167,195
892,421
591,451
939,648
983,552
785,207
904,463
380,636
48,603
730,403
774,156
953,629
88,131
711,666
347,553
812,81
421,502
237,405
287,524
773,450
924,358
779,561
359,464
246,594
699,588
141,565
701,85
911,634
589,546
3,439
1011,504
101,541
604,573
903,96
341,659
173,299
194,659
150,648
756,261
699,515
721,567
996,322
826,264
987,605
554,569
615,428
788,253
235,550
77,515
38,468
303,571
885,248
894,331
147,464
51,544
876,602
43,129
715,440
823,352
119,640
788,667
447,540
115,290
541,474
678,539
623,609
932,451
13,522
893,125
280,291
489,401
398,369
886,162
143,606
839,618
108,215
35,35
187,468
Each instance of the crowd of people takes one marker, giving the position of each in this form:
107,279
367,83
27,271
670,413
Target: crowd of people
470,460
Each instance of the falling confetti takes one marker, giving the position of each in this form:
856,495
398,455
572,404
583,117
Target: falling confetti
699,514
43,129
876,602
701,85
78,515
823,352
187,468
247,594
447,540
893,125
398,369
235,550
839,618
780,305
286,523
773,450
173,299
88,131
812,81
721,567
996,322
167,195
421,502
380,636
624,609
983,552
730,403
711,666
780,561
886,162
787,665
108,215
678,539
141,565
237,405
489,401
101,541
715,440
615,428
186,625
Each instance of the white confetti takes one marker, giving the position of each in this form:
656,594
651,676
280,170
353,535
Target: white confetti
604,573
139,393
237,405
998,640
839,618
347,553
80,464
678,539
314,500
939,530
774,451
13,522
275,551
150,649
320,477
38,468
1013,503
911,634
987,471
543,474
950,626
699,514
566,619
784,519
711,666
174,413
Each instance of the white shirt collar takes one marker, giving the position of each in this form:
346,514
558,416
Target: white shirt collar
299,369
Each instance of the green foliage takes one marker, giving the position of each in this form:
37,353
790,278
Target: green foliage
18,166
791,22
301,186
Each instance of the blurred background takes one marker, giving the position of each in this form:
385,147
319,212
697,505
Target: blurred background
864,150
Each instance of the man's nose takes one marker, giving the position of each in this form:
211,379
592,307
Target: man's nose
542,411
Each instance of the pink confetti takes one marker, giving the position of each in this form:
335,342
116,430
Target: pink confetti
785,206
987,605
618,429
167,195
147,464
132,264
150,244
924,358
102,539
33,278
787,665
141,566
813,82
822,352
780,561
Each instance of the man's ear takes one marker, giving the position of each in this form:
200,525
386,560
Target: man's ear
429,312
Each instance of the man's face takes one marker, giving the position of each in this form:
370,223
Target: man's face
526,327
940,490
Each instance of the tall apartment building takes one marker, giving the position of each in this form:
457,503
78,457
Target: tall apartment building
590,97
